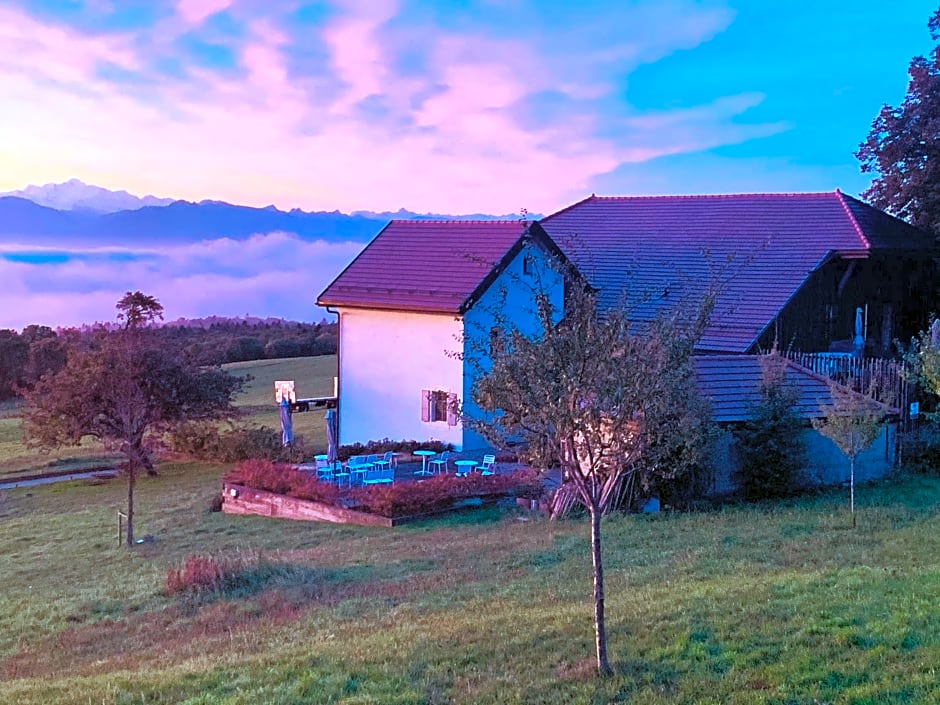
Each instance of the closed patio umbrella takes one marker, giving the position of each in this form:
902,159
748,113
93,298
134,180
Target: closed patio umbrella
287,423
859,339
332,436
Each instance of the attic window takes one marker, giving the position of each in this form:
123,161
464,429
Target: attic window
528,268
496,342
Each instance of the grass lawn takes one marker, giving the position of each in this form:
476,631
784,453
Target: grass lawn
776,603
17,459
313,375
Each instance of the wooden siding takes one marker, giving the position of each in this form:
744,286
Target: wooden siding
894,291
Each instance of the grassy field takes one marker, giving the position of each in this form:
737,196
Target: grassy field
774,603
17,459
313,375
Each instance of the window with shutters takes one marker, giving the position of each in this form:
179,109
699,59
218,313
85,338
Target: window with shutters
438,405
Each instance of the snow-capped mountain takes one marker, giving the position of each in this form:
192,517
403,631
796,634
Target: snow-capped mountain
77,195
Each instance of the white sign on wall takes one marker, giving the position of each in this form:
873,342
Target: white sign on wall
284,389
915,409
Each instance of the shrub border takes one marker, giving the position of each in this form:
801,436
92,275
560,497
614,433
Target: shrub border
249,501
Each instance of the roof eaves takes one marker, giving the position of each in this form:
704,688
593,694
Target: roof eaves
353,261
442,310
533,233
494,273
822,262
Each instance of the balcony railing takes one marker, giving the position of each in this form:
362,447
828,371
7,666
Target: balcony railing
887,378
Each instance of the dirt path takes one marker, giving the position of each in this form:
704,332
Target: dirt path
63,477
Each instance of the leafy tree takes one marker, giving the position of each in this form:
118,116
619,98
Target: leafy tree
245,348
770,442
923,359
903,147
46,353
137,310
14,352
853,421
592,394
125,388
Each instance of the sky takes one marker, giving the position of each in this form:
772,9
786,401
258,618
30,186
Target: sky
451,106
454,106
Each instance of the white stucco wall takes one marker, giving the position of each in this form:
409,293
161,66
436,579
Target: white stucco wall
385,359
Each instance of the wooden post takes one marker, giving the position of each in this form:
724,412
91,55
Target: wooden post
121,517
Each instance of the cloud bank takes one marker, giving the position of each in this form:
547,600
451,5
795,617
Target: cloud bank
274,274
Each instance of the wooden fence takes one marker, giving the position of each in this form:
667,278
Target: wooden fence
888,378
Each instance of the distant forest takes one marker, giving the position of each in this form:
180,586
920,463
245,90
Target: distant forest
38,350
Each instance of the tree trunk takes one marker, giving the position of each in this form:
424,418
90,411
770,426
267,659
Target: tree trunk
131,477
600,630
852,488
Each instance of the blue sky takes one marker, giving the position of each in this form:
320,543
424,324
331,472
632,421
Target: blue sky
448,107
456,106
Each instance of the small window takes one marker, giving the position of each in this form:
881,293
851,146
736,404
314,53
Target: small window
527,266
437,405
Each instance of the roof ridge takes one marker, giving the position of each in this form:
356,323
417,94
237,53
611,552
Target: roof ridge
715,196
852,219
568,208
455,221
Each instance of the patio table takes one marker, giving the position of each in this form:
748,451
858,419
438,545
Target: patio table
464,466
424,455
357,472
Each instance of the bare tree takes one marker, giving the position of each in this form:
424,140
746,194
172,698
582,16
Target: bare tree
593,392
123,388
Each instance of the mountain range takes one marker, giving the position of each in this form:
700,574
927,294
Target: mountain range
77,212
77,195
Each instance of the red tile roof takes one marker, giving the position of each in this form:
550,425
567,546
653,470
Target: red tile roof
732,384
428,266
660,247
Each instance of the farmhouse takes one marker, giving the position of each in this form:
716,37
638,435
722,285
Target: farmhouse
410,306
794,268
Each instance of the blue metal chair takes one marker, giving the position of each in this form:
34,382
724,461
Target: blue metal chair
488,466
440,464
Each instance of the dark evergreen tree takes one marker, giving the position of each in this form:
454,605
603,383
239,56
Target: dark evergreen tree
770,444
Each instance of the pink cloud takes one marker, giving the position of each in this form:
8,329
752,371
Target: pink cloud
47,52
445,140
194,12
356,50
